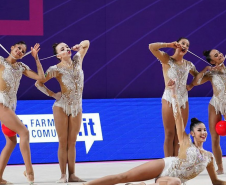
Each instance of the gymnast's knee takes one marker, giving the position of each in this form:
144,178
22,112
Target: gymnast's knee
169,135
12,142
215,140
123,177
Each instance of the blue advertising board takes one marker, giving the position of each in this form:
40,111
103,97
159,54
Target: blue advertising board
121,129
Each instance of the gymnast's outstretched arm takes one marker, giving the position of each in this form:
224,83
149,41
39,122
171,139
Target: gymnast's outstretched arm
31,74
212,173
177,112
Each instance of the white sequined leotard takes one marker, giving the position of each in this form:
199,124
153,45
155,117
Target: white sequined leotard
9,82
180,74
186,169
218,80
71,82
191,160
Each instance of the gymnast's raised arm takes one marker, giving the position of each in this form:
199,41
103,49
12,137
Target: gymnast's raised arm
82,48
162,56
31,74
177,111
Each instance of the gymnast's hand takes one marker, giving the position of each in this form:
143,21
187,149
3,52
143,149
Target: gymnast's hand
210,68
57,96
76,47
189,87
217,68
172,85
35,50
174,45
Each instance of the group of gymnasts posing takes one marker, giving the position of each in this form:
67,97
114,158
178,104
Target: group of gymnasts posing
175,168
67,109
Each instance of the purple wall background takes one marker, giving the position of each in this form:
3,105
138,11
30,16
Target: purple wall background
118,63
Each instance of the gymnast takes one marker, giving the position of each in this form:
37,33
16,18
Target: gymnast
216,74
67,109
191,161
10,75
174,67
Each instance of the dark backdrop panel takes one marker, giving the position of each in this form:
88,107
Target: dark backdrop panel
118,63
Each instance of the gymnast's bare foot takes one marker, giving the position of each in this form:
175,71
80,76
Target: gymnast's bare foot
30,177
73,178
2,181
63,179
220,172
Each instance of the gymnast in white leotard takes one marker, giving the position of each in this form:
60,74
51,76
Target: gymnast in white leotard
217,105
174,67
191,161
67,109
11,72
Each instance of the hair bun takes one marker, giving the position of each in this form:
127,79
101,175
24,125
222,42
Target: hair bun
54,45
206,53
194,120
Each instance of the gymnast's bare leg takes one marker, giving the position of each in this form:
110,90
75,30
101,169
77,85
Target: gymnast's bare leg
143,172
73,130
5,155
215,138
61,123
171,145
10,120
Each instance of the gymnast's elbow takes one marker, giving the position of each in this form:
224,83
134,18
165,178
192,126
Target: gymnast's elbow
38,83
151,47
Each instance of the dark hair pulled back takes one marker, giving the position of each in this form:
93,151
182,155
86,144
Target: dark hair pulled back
21,42
207,55
54,48
194,122
181,39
